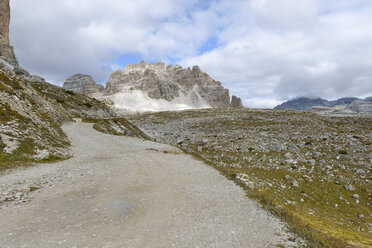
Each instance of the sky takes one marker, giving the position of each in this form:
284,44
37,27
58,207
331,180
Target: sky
264,51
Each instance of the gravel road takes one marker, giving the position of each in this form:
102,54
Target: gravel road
126,192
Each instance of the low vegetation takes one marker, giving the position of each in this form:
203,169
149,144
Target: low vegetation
312,170
117,126
31,115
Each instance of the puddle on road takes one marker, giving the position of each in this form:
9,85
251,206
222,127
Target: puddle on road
118,208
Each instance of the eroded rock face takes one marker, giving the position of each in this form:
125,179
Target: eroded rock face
360,106
83,84
169,83
236,102
6,50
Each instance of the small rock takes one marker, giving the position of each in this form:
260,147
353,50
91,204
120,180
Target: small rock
356,196
242,177
361,216
359,171
288,155
349,187
318,154
295,183
250,185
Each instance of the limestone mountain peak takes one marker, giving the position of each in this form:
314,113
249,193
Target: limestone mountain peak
6,50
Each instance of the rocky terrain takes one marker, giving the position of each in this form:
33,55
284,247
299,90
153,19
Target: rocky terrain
125,192
32,111
83,84
6,50
342,105
158,84
313,170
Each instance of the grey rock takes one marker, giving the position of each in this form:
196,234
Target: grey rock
349,187
278,147
360,106
360,171
236,102
295,183
168,83
6,50
356,196
205,142
83,84
288,155
317,154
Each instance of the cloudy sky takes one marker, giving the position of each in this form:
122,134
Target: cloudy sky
265,51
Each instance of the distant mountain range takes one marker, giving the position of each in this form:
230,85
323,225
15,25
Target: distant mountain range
305,103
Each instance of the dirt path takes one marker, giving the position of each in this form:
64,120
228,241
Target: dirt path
126,192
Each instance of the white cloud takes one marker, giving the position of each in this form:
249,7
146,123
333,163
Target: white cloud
289,52
58,38
267,50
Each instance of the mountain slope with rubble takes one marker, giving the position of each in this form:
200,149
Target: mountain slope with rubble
157,87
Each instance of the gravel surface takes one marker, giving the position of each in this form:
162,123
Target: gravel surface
126,192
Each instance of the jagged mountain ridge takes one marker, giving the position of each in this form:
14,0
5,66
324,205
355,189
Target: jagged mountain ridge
348,103
174,84
86,85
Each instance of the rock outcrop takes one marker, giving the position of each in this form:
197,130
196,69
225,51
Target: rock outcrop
159,81
360,106
83,84
6,50
156,87
236,102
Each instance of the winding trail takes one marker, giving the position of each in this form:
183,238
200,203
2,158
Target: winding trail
126,192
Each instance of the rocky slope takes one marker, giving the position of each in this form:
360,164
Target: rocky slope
319,104
6,50
83,84
158,84
32,110
314,170
31,113
123,192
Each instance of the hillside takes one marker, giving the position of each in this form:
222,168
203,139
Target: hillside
31,115
313,170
